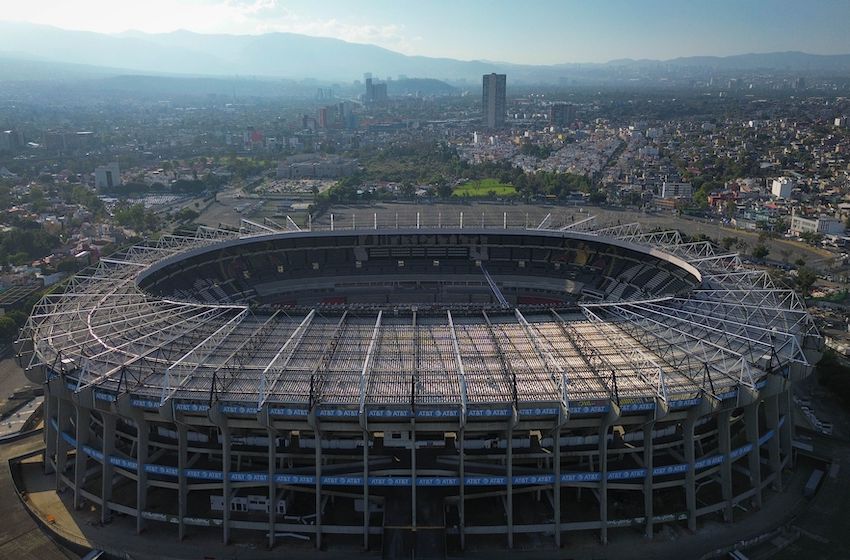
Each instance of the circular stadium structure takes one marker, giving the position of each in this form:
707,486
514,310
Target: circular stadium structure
419,389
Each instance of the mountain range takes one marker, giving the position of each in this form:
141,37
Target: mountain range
28,51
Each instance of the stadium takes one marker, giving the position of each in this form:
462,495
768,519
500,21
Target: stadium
419,389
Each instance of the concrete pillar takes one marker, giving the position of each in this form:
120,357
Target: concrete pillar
510,487
64,411
272,486
751,421
413,477
690,474
462,490
648,464
49,434
365,490
83,416
141,473
725,443
786,431
603,481
108,470
771,412
556,484
182,484
318,459
225,482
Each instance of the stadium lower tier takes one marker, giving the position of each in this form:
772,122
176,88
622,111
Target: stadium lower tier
460,482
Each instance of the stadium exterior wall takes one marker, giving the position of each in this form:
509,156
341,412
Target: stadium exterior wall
753,436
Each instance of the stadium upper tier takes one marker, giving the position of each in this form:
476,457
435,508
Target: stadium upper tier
448,269
444,322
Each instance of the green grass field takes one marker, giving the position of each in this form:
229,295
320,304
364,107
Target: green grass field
484,187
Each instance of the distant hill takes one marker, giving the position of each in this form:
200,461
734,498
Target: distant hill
419,86
293,56
791,61
169,86
18,66
285,55
113,80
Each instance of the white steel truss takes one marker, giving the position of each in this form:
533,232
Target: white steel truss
733,329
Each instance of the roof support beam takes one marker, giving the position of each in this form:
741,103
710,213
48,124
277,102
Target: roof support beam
633,353
317,381
507,370
461,372
154,349
200,353
267,386
367,362
556,370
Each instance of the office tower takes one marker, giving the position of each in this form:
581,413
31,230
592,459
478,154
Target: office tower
379,93
493,101
375,92
369,89
107,176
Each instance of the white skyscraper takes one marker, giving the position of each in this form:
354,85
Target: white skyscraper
107,176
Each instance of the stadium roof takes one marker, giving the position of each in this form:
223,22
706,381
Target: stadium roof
107,335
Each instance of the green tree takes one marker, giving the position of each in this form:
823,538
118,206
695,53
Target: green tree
37,199
444,190
806,278
408,190
20,245
760,251
86,198
811,237
5,196
728,242
8,329
186,215
137,218
835,376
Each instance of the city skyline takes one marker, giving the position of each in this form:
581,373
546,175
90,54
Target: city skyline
544,32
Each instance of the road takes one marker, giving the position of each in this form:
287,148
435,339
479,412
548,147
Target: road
20,537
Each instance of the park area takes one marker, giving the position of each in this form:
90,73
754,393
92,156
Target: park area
483,188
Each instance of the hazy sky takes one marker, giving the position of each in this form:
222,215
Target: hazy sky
529,31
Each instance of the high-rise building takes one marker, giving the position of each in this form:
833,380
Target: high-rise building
375,92
676,190
345,114
782,187
379,93
493,100
107,176
562,114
